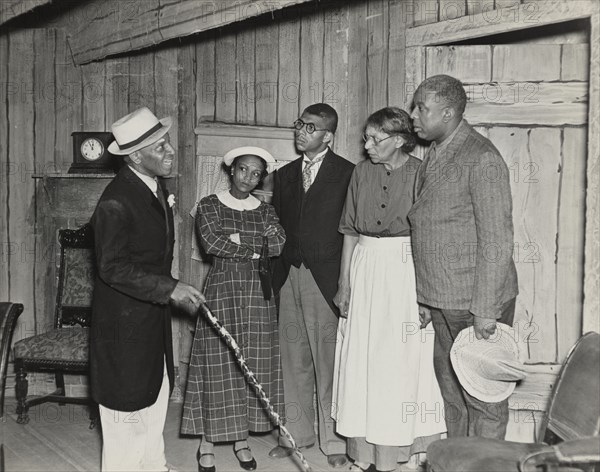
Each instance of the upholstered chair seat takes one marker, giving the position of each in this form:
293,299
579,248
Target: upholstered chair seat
479,454
55,346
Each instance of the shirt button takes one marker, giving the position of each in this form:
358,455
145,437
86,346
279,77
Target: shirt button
388,172
379,222
383,205
385,187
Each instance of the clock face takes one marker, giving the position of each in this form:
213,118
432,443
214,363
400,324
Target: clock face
92,149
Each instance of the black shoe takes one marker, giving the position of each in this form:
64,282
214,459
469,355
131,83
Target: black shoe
337,460
246,465
279,452
201,468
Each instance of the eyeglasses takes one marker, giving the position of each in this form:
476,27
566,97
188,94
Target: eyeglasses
310,127
376,141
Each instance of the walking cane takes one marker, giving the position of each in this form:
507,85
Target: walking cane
273,416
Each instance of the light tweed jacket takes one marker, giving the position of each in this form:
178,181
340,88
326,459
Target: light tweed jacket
462,229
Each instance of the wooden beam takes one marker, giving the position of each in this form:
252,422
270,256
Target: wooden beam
571,230
10,9
534,391
124,28
266,66
503,20
528,103
4,163
377,50
469,64
335,68
591,303
312,31
289,72
20,195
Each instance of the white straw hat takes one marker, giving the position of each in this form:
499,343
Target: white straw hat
250,151
137,130
488,369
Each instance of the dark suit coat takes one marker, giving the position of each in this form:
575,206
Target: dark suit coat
131,321
462,229
311,221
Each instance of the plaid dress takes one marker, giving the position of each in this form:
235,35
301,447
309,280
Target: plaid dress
218,402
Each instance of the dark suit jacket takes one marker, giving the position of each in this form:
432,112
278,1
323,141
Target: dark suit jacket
131,321
462,229
311,221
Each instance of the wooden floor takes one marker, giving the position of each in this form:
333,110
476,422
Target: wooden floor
57,439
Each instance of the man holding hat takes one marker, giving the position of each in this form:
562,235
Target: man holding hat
462,237
131,351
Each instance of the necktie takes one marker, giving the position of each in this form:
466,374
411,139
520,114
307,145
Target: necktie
306,180
163,203
161,197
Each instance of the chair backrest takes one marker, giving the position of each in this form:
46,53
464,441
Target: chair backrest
76,277
575,404
9,312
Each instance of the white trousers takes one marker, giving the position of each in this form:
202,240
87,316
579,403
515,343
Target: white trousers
133,440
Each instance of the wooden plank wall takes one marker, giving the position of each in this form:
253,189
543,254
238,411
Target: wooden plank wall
18,193
44,99
47,98
10,9
339,54
267,71
560,144
348,54
532,100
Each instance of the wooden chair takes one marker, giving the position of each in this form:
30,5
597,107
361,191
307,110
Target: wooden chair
9,313
65,348
570,430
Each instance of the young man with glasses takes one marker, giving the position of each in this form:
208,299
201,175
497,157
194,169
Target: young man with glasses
309,195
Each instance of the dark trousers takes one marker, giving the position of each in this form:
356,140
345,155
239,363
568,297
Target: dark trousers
465,415
307,336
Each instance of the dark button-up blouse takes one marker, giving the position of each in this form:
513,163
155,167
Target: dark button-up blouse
378,200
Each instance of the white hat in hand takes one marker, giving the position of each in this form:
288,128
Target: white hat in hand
488,369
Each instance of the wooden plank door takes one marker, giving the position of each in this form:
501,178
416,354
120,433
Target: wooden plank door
530,100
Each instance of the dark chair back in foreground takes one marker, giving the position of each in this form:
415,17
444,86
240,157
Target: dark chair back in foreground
570,430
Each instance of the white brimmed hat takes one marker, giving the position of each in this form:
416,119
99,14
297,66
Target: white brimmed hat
250,151
488,369
137,130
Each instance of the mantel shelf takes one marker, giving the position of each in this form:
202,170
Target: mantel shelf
85,176
73,176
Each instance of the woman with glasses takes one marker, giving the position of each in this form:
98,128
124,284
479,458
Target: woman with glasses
387,398
232,227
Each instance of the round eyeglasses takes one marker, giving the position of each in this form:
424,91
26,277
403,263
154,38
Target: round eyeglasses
310,127
376,141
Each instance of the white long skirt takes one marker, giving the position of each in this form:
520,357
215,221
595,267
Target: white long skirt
384,383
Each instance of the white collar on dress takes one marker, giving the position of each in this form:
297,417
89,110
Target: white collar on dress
249,203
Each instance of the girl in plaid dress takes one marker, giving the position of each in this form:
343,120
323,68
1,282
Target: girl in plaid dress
219,405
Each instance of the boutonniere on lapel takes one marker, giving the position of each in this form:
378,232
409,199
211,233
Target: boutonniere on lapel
171,200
